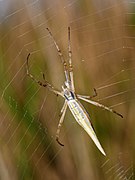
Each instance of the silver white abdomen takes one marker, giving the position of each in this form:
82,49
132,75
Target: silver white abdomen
83,119
78,111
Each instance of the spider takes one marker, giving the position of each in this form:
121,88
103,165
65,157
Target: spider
70,96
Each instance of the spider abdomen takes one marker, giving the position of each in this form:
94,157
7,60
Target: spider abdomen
82,117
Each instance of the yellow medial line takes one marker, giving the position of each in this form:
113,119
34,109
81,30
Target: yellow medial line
76,111
78,114
82,118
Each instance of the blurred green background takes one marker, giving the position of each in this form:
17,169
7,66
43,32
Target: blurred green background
102,40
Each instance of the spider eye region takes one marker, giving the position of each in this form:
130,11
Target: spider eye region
69,95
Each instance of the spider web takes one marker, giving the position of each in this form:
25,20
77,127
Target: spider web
102,40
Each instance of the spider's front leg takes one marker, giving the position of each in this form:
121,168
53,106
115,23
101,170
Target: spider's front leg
70,62
43,84
99,105
88,99
61,56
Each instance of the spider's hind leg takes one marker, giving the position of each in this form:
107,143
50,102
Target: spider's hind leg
89,97
63,111
94,95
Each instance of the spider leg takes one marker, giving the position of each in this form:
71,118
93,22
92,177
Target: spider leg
100,105
60,55
63,111
45,84
89,97
70,61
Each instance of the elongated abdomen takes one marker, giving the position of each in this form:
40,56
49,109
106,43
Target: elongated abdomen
82,117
